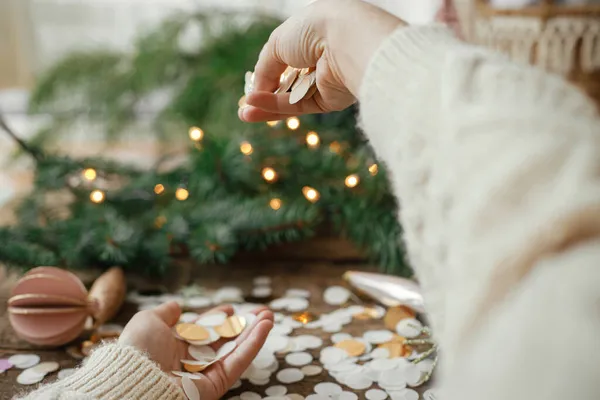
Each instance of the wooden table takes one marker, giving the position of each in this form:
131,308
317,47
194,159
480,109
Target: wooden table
315,277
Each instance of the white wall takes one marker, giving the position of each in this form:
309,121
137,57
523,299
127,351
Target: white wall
63,25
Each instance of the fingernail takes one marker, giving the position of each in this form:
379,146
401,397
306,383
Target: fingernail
241,114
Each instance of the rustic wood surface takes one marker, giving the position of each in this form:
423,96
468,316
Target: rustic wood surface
314,276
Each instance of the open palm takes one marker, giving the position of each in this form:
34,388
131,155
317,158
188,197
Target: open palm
150,332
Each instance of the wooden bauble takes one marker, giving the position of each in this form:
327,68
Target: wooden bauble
50,306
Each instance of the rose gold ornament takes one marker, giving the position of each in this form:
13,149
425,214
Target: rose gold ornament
50,306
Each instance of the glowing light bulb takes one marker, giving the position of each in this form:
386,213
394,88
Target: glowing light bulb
269,174
312,139
275,204
89,174
272,123
182,194
311,194
97,196
246,148
373,169
196,134
158,189
293,123
160,221
335,147
352,180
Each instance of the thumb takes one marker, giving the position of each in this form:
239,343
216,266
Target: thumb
168,312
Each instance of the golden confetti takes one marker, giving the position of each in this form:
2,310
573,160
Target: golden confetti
395,315
395,349
354,348
304,317
192,332
232,327
198,366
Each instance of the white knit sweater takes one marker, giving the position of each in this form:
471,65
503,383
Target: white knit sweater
497,168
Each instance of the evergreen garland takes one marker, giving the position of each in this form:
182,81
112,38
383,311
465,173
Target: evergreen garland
241,187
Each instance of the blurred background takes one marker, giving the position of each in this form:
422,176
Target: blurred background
34,34
123,144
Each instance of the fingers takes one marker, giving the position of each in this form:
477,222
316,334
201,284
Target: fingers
248,347
168,312
280,103
262,313
254,114
269,66
229,310
206,388
226,308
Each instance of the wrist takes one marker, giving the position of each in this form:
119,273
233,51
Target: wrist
353,32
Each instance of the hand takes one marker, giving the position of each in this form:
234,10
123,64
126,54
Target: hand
447,15
338,38
150,331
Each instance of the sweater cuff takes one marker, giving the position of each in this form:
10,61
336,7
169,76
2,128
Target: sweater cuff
122,372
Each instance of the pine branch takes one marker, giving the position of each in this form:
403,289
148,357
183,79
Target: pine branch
22,144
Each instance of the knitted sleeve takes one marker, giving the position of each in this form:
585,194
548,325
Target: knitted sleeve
113,372
497,169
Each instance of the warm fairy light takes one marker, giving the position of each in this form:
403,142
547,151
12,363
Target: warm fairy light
97,196
246,148
160,221
373,169
293,123
352,180
158,189
89,174
269,174
272,123
311,194
196,134
335,147
312,139
275,204
182,194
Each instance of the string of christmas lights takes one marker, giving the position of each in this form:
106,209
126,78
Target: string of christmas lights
269,174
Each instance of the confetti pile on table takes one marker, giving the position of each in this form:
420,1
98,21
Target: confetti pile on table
382,363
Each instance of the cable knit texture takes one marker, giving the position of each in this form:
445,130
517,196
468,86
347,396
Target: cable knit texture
493,162
113,372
